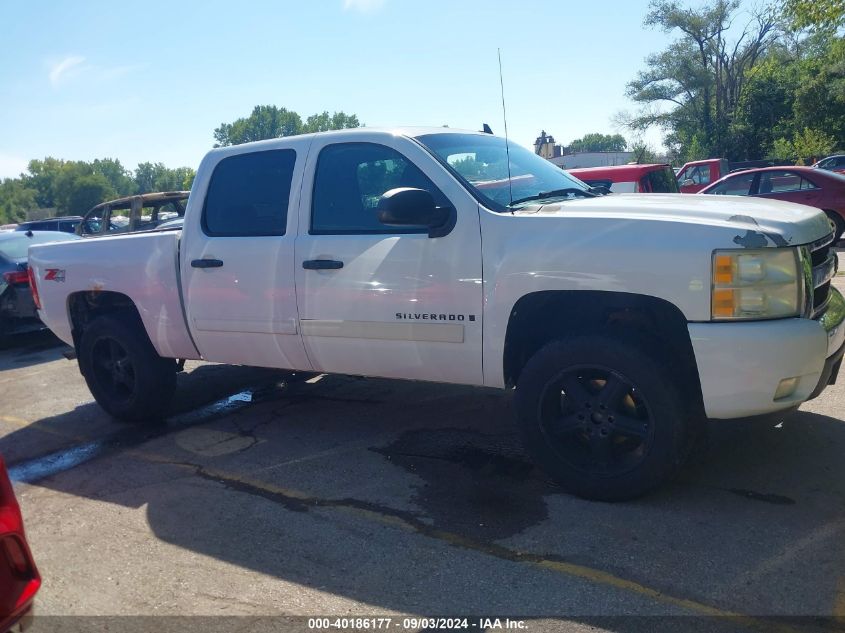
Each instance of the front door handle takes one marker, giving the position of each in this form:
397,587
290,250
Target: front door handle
322,264
207,263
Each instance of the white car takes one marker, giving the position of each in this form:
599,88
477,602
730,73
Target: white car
623,321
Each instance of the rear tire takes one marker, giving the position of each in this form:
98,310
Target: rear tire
602,417
124,373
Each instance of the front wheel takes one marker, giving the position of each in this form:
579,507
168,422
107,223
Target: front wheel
601,417
123,371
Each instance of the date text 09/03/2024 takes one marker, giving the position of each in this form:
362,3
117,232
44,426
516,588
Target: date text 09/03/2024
415,623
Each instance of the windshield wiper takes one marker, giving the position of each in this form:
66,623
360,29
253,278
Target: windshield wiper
544,195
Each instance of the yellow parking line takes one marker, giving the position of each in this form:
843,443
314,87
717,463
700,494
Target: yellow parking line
11,419
21,423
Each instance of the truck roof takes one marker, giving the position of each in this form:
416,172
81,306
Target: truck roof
302,139
156,196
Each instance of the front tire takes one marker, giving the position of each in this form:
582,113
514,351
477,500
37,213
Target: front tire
602,417
124,373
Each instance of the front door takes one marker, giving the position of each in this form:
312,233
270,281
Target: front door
237,260
384,301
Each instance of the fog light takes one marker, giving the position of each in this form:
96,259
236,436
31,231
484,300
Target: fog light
786,388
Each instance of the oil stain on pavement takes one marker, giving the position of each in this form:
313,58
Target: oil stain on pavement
498,491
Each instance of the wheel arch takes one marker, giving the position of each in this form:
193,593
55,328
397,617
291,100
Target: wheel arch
84,307
540,317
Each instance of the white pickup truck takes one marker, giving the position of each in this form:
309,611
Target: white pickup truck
623,321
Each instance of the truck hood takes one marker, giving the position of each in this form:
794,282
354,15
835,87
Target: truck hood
759,222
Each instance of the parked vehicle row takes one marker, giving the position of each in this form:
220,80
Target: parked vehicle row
17,309
622,320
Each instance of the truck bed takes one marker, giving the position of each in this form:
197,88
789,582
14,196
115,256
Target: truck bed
144,267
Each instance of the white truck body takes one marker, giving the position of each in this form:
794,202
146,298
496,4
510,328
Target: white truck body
406,305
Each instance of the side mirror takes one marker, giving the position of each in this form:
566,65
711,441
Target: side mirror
406,206
687,182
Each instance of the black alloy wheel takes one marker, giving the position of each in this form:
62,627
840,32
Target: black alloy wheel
596,420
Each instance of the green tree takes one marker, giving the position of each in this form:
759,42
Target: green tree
84,192
596,142
782,149
701,76
120,179
158,177
42,176
188,178
265,122
814,13
695,150
324,122
271,121
810,144
15,200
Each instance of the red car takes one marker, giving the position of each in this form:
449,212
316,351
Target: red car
804,185
19,578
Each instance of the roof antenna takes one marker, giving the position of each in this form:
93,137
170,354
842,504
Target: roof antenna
505,118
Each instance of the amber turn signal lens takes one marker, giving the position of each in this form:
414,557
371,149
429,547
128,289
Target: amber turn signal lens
723,302
723,272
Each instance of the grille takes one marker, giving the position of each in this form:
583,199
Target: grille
824,263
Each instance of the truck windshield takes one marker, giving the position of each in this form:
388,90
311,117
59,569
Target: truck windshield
481,162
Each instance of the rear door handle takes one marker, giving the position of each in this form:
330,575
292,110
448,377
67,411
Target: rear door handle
322,264
207,263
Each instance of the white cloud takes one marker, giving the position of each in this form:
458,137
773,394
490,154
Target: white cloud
11,166
64,67
363,6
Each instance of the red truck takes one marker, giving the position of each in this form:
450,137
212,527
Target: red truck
698,174
653,178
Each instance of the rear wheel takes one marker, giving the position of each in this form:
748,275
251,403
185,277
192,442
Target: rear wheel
123,371
602,417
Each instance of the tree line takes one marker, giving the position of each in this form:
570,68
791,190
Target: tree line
72,187
743,80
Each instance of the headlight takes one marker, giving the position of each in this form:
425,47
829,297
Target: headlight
756,284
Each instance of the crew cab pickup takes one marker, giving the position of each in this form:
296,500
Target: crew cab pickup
622,321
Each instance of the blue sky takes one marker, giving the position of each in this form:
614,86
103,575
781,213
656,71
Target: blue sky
150,81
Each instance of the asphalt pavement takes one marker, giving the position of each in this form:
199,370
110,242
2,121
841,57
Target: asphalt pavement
264,495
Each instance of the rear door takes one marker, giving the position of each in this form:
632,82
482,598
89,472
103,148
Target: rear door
237,258
788,185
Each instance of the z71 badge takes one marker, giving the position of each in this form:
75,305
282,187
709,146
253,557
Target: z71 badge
55,274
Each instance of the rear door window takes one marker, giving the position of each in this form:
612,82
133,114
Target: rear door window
782,181
249,194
